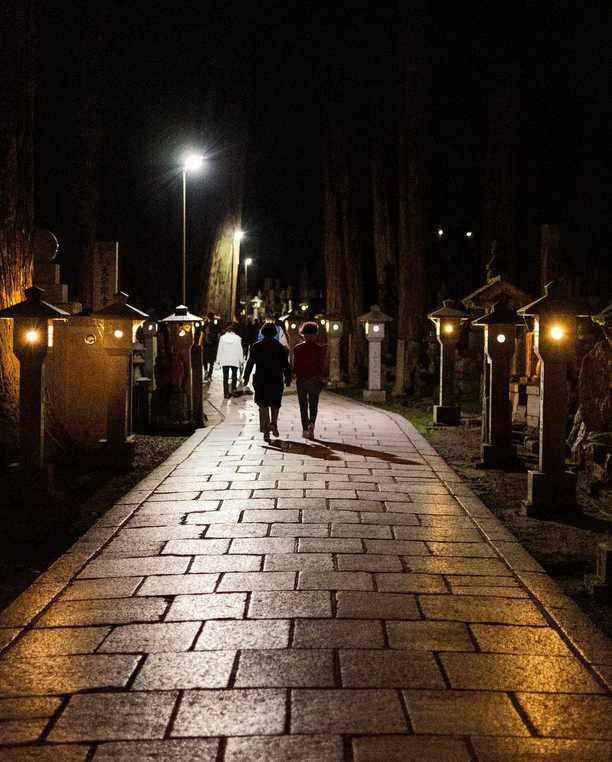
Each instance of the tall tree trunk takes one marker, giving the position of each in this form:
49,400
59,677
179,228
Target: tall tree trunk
411,281
16,192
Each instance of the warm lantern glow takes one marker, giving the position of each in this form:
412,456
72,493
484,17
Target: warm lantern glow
501,338
294,326
238,235
557,332
335,327
376,328
32,337
182,332
323,322
90,339
303,307
118,333
448,328
469,234
440,232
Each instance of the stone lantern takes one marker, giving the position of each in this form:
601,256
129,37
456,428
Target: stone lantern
374,326
121,322
552,486
335,328
448,320
497,449
185,332
32,336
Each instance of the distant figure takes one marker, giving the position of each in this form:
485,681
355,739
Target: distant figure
211,340
271,361
309,369
279,333
230,357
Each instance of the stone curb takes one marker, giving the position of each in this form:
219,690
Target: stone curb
48,585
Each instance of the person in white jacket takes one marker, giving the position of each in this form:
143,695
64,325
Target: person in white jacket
230,357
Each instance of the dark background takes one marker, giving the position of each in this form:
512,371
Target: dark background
123,88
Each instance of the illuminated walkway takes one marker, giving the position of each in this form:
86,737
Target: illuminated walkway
348,599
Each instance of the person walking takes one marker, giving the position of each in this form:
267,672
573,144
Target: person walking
211,341
230,357
271,361
309,369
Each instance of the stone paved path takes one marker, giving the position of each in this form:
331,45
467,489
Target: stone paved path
344,600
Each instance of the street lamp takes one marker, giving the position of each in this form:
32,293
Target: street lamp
248,261
192,162
448,320
236,238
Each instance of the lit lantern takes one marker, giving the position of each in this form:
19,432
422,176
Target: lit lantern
374,326
121,322
552,485
497,449
335,327
32,337
185,329
448,320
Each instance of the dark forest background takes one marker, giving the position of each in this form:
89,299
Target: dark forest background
341,137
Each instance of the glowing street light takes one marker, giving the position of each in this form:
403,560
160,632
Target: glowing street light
440,232
192,163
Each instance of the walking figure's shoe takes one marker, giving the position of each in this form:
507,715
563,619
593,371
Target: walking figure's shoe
267,437
306,434
274,430
311,431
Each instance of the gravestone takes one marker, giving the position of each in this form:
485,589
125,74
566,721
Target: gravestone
105,274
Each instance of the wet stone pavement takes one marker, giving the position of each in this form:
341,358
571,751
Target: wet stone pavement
345,599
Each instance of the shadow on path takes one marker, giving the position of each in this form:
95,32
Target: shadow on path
324,450
299,448
388,457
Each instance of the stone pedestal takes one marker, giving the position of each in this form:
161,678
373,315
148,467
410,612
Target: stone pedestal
119,442
335,374
374,392
447,412
31,398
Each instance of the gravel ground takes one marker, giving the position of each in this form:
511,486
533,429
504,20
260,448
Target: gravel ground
33,536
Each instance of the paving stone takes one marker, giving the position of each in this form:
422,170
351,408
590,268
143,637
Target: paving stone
333,580
409,749
150,534
445,521
369,562
286,493
176,507
438,505
390,519
50,753
301,504
176,750
263,545
196,547
287,668
299,530
272,515
285,749
361,530
372,506
8,635
429,636
534,749
165,671
228,563
346,711
467,608
207,606
327,516
357,605
333,494
569,716
463,713
518,672
134,567
472,566
389,669
239,712
231,494
329,545
471,580
410,583
258,503
89,589
178,584
454,535
285,605
151,638
64,674
244,634
123,549
468,549
298,561
213,517
28,708
396,547
174,496
114,716
21,731
266,580
237,530
495,592
58,641
107,611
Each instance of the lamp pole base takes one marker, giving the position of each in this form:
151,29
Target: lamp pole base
550,494
374,395
447,415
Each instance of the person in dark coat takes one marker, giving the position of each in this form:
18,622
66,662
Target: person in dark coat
271,361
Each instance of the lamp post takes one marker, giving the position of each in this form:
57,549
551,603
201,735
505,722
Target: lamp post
497,450
448,320
192,162
32,336
551,486
236,238
248,261
374,325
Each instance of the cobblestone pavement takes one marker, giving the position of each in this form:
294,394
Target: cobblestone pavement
348,599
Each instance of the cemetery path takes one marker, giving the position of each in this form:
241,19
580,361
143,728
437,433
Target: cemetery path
344,599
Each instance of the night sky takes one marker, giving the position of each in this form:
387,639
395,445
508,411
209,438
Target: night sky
158,63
